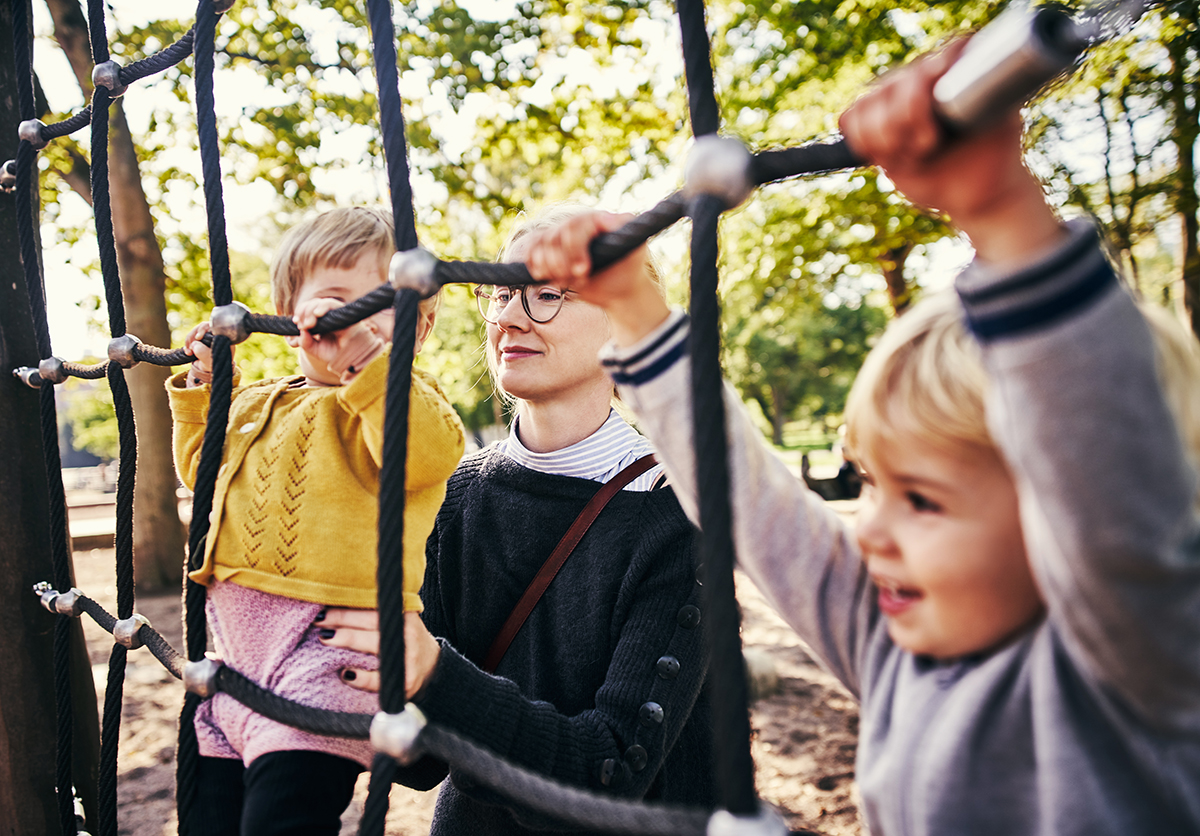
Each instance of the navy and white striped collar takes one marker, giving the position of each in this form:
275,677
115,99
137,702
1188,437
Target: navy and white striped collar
599,457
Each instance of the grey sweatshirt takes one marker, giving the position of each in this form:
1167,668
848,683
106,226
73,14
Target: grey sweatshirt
1087,723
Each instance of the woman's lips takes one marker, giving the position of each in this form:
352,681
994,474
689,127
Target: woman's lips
517,353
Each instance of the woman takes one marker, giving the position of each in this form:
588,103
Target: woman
603,686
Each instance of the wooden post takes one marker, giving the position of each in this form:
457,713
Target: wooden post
27,700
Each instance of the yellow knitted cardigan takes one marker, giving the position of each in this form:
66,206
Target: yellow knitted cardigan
295,509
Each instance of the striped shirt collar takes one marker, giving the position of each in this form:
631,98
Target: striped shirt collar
599,457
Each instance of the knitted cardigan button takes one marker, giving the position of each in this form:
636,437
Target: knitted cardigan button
608,771
689,616
636,758
650,714
667,667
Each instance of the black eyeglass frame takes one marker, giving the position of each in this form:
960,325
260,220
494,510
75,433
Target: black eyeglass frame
483,300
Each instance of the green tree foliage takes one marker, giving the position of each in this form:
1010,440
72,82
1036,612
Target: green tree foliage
584,100
1133,114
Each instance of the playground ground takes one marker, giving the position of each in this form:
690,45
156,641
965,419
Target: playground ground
804,734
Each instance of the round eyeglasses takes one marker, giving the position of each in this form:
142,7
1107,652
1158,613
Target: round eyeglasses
541,302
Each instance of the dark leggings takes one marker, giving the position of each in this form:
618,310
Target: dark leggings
279,794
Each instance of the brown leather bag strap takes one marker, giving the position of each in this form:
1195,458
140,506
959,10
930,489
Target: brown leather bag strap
558,557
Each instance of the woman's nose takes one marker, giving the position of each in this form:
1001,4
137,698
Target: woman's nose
513,316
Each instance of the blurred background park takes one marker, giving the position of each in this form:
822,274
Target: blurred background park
510,106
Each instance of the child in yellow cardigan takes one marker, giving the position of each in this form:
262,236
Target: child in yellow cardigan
294,526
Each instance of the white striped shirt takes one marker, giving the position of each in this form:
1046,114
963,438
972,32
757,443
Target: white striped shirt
599,457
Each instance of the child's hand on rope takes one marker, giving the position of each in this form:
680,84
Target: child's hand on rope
626,290
201,371
359,630
344,353
979,179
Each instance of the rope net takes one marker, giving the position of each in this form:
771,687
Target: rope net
398,732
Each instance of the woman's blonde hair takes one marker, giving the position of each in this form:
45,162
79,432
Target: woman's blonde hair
337,238
925,379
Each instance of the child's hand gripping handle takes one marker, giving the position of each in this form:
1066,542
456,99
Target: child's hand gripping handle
1003,65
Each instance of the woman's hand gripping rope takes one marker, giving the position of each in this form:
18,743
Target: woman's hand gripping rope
359,630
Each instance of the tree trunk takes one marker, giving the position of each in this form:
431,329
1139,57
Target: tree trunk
899,293
27,694
1185,130
158,535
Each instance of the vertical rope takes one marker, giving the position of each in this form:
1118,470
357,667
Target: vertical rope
102,207
391,120
210,151
390,573
195,630
59,545
697,67
734,769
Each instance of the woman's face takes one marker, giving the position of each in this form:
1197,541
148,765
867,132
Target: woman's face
548,361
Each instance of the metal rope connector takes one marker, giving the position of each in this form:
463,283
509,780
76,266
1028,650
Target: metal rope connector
719,166
121,351
53,369
232,322
766,823
397,735
31,131
200,677
66,603
126,630
28,376
108,76
414,269
8,176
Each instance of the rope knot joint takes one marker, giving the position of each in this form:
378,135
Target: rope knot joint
31,131
719,166
108,76
414,269
398,735
123,351
127,631
200,677
46,594
8,176
28,376
53,369
232,322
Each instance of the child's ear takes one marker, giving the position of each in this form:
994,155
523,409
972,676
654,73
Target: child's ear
425,320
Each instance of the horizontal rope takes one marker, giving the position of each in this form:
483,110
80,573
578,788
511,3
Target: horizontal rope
156,63
159,647
573,806
811,158
569,804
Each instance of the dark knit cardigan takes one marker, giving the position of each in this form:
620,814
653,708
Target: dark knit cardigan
603,688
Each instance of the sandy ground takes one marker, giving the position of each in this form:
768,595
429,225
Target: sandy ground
804,734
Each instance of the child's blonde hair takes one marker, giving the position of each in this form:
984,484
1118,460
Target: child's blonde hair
925,380
337,238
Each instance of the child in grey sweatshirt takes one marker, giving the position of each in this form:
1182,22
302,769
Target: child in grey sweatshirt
1019,609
